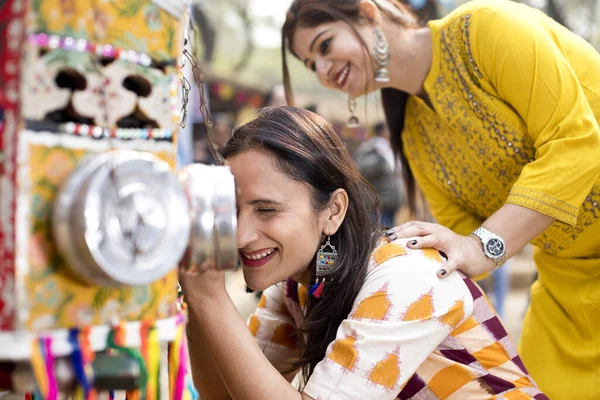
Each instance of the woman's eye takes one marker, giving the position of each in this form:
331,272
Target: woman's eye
325,45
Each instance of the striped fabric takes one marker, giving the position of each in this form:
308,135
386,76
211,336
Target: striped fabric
410,335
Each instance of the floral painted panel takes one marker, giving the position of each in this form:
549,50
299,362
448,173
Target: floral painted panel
138,25
55,299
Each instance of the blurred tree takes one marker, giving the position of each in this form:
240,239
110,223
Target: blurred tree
241,7
207,33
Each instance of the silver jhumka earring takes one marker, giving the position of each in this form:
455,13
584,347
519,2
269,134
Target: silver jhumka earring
325,265
381,55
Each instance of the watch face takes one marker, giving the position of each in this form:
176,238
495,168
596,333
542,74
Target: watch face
495,247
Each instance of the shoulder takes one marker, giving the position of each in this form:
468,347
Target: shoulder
395,259
405,277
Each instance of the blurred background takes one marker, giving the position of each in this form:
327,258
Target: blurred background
240,42
241,45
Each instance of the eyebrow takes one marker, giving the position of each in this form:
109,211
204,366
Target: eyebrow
264,201
312,44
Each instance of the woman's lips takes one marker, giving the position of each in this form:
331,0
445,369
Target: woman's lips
256,263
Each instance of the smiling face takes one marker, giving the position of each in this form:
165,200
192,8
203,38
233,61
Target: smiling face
279,231
338,57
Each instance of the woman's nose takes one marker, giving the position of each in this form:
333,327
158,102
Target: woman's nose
323,68
245,235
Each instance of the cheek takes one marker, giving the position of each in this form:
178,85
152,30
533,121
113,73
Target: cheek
301,242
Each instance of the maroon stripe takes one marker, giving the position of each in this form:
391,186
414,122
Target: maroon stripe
475,291
498,385
541,396
291,291
460,356
495,327
414,385
517,360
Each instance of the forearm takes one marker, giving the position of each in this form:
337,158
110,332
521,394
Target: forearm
205,374
244,369
517,226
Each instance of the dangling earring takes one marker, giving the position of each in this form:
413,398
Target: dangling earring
353,120
381,54
325,266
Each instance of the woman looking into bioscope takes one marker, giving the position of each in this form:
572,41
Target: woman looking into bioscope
359,313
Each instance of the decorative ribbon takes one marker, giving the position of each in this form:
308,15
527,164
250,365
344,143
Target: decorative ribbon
82,357
116,341
151,353
42,361
177,362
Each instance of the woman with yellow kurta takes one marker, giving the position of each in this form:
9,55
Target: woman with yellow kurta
495,110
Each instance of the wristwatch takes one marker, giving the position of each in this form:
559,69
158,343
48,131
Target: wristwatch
493,245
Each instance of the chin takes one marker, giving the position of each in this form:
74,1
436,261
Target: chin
256,282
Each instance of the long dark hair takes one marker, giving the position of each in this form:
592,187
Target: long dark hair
312,13
307,149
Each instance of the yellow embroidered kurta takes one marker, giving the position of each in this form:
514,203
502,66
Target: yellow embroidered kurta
515,105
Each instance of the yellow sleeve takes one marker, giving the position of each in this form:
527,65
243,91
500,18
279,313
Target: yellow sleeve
444,209
514,49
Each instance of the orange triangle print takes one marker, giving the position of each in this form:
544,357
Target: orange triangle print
262,303
285,335
432,254
387,251
375,306
253,325
344,353
386,372
454,315
302,295
421,309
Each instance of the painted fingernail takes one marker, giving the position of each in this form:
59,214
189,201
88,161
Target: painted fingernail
392,237
249,290
442,272
390,231
413,242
